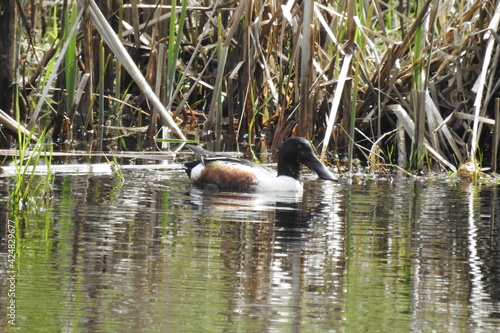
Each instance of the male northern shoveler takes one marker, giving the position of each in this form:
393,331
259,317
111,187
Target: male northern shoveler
238,174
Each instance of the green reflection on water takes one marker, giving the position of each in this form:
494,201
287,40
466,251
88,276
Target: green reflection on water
105,256
378,270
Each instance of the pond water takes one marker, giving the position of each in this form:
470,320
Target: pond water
153,254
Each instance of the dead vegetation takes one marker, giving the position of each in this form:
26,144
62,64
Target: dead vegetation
407,83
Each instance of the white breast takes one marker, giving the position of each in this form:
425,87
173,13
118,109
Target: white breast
271,183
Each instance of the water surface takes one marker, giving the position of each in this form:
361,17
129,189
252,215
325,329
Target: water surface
153,254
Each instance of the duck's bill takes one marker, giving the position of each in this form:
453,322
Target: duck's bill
315,165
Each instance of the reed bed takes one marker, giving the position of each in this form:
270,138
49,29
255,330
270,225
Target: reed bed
407,83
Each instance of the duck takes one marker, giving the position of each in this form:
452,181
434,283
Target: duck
228,173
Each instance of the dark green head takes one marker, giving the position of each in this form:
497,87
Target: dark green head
296,151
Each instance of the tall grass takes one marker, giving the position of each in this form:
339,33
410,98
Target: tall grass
28,187
255,72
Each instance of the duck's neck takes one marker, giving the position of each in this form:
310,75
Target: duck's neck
288,168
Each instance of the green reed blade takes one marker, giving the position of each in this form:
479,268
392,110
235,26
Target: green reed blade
70,55
174,44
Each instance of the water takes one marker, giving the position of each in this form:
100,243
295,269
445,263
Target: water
152,254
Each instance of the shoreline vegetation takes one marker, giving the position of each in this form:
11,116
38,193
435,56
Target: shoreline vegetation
413,84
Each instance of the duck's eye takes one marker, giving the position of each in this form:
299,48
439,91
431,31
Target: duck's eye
299,146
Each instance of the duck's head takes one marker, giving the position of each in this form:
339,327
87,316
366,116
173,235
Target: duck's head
296,151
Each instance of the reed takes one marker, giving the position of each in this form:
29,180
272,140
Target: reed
71,69
28,187
257,72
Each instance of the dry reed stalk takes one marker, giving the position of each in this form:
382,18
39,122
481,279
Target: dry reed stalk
228,35
449,43
306,59
117,47
14,126
496,136
78,95
275,65
480,84
53,74
335,104
409,127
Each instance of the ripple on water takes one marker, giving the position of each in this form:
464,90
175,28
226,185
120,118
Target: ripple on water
154,254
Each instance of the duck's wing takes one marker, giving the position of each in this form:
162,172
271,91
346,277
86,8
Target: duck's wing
205,157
